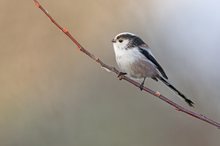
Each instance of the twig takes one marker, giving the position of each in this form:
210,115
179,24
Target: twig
114,70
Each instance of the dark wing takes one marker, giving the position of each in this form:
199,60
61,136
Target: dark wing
153,60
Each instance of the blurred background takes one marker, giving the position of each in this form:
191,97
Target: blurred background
51,94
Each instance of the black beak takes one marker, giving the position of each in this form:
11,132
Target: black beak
113,41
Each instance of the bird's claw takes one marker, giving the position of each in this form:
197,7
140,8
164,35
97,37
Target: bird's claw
141,86
120,75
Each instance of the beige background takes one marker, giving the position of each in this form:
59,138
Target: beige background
53,95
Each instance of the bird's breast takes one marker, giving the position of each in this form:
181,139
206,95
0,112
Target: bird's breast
125,58
133,63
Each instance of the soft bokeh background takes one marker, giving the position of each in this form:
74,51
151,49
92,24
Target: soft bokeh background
53,95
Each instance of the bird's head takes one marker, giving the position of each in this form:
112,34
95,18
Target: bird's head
126,40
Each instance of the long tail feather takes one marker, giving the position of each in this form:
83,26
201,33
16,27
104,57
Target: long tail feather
178,92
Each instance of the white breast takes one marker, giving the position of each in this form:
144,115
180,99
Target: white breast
125,58
134,63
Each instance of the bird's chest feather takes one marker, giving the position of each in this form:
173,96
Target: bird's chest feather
126,58
134,63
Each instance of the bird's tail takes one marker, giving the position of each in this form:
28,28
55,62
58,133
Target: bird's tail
178,92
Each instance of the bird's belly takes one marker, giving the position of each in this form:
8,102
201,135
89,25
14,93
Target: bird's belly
136,67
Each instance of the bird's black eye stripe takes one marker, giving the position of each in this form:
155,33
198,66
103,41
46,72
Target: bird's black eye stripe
120,40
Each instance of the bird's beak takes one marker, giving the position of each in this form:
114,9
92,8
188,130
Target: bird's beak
113,40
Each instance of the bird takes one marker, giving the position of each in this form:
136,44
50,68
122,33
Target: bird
135,59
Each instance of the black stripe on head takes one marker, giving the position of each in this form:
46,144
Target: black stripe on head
125,36
134,41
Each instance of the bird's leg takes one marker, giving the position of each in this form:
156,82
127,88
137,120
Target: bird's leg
121,74
142,84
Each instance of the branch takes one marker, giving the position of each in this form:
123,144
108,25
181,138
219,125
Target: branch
114,70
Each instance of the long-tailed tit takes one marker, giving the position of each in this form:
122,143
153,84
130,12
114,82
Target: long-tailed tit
135,59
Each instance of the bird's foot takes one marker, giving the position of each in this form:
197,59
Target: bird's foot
142,86
120,75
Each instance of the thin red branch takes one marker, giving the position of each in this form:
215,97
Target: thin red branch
114,70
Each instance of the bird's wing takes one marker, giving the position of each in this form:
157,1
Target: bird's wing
150,56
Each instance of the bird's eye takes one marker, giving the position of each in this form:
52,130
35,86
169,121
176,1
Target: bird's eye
120,41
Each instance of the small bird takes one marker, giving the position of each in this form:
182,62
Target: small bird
135,59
